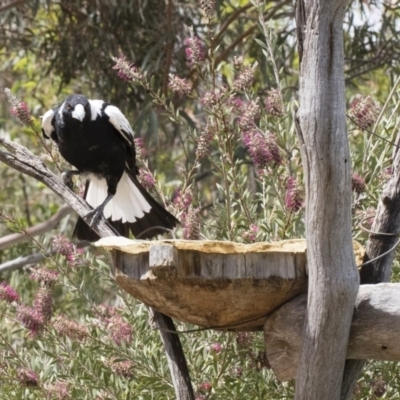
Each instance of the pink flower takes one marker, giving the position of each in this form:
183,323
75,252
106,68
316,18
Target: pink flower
46,276
204,144
216,347
364,110
19,108
293,200
141,152
248,114
119,330
262,148
66,248
28,377
244,78
195,53
191,224
179,85
7,293
146,179
31,318
273,103
357,183
251,234
205,386
182,200
43,303
126,70
70,328
58,390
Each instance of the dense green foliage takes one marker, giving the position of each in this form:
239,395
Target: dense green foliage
212,95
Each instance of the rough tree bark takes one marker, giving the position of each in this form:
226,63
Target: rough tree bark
333,278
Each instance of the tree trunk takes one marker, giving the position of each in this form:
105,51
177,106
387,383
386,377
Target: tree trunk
333,278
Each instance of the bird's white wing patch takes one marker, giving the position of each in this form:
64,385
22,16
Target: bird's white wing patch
119,121
47,127
128,204
95,108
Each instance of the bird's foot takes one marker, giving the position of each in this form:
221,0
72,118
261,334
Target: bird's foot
66,177
93,216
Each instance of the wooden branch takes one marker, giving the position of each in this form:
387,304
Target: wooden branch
10,5
333,277
39,229
21,159
175,356
374,330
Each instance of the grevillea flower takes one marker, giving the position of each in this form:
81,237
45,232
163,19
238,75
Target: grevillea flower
179,85
27,377
212,97
126,70
45,276
141,152
364,110
191,224
273,103
63,246
262,148
19,108
43,303
7,293
119,330
146,179
58,390
248,114
204,143
243,339
244,78
195,53
122,368
294,199
216,347
182,200
70,328
251,234
205,386
31,318
357,183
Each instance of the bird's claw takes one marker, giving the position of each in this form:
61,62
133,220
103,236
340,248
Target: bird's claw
67,179
93,216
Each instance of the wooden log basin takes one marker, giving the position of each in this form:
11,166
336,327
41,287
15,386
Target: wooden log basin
213,284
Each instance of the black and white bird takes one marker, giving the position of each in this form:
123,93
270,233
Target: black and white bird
97,139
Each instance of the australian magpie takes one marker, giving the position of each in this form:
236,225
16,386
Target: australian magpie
97,139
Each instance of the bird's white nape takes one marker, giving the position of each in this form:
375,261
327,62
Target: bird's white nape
95,108
128,204
79,112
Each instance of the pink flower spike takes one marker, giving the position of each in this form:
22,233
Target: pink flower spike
7,293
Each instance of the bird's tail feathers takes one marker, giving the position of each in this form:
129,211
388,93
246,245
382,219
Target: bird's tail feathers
132,208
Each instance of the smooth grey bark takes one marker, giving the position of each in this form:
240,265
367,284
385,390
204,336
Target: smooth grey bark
333,277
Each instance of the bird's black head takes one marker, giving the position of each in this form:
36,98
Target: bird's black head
75,109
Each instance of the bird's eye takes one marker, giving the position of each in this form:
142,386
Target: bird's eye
69,107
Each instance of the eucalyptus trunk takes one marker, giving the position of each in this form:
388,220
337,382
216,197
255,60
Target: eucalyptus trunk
333,277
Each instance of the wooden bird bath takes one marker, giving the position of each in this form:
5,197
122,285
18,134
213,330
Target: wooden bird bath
214,284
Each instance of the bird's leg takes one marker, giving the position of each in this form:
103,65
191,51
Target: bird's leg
66,177
97,213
